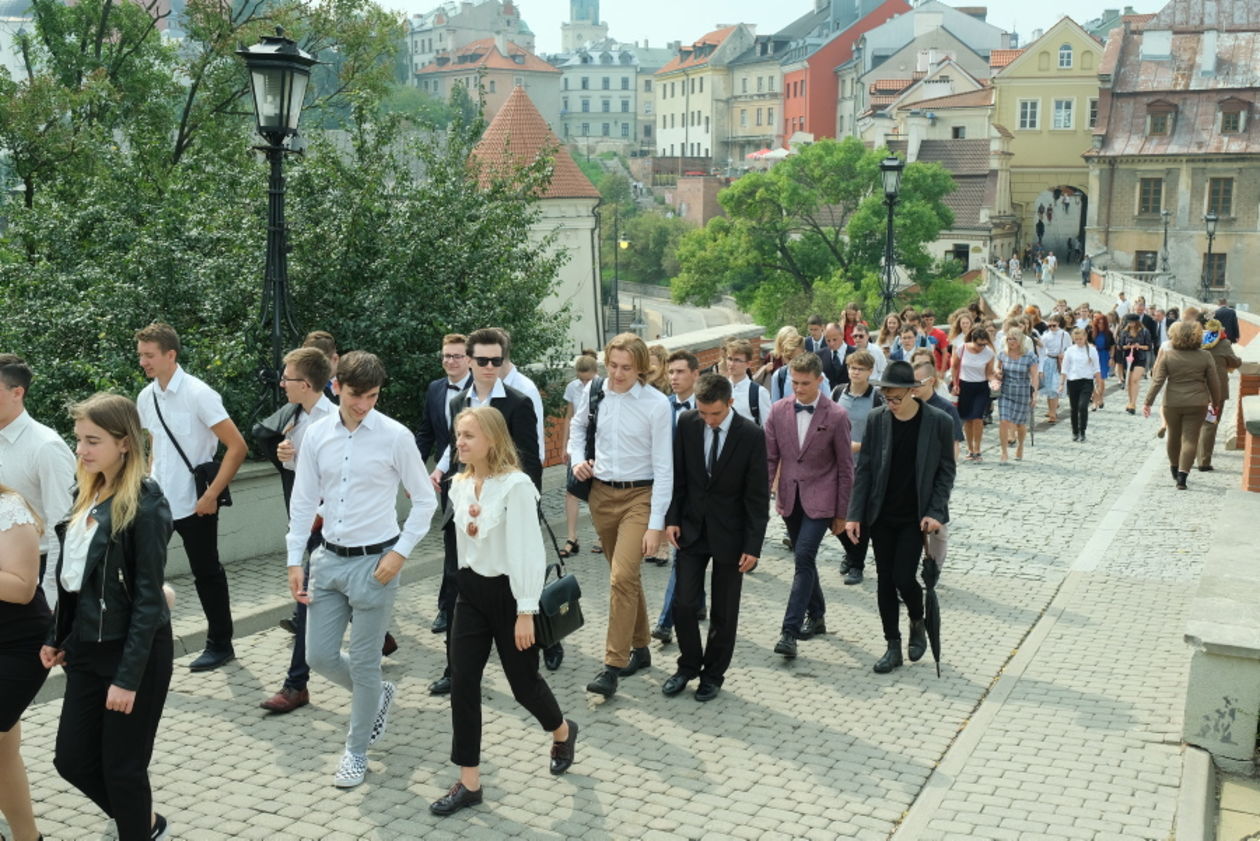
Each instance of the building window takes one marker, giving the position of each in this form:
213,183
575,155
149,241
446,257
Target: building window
647,131
1093,112
743,118
607,130
1030,114
647,85
958,132
1231,122
1220,197
1065,57
605,83
770,83
671,89
758,116
625,106
663,126
769,116
1214,270
1146,261
564,103
625,83
1064,113
701,84
706,125
1150,195
586,106
566,83
605,106
586,83
693,85
803,87
491,87
840,125
586,129
743,84
625,129
1159,123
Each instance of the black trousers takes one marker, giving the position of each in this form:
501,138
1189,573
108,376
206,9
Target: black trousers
449,589
855,553
898,546
106,754
1079,392
485,612
201,544
711,662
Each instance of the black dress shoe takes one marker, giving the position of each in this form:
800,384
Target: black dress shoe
811,628
455,799
553,656
890,660
1206,468
441,686
786,645
1181,481
640,658
441,623
605,683
918,640
665,635
845,566
854,576
212,658
562,752
676,683
707,690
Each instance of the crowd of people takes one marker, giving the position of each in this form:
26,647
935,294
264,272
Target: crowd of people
843,429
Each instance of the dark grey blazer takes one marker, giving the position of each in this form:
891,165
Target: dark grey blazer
935,469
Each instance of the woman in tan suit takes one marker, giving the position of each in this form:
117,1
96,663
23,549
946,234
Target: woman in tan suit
1193,388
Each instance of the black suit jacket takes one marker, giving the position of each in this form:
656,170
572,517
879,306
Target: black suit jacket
435,433
833,365
724,515
522,423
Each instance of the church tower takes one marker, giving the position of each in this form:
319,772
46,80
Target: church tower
583,25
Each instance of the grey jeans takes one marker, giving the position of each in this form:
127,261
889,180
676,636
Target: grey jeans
342,589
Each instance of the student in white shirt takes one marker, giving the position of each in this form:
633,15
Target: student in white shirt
352,461
34,461
739,354
1082,378
502,566
585,367
197,422
633,480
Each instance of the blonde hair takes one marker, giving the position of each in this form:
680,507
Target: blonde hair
117,415
786,341
633,345
502,455
1186,335
39,521
658,377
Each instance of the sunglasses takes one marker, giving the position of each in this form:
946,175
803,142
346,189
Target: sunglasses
483,361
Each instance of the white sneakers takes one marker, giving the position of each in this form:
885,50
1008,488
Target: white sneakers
382,715
352,770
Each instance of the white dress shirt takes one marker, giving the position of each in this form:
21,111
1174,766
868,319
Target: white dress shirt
79,534
508,540
475,402
1081,363
303,422
633,441
880,359
35,462
190,408
803,419
356,475
515,379
740,390
725,426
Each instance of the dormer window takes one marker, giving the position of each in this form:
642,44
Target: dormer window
1232,116
1065,57
1160,118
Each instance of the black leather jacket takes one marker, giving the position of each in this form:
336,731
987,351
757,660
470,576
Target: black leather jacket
121,597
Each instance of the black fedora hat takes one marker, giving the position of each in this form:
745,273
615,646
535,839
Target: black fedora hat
898,375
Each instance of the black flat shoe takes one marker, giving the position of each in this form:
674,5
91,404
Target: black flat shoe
707,691
441,623
455,799
845,566
854,577
553,656
811,628
640,658
676,683
1181,481
786,645
570,549
441,686
212,658
918,641
890,660
1206,468
605,683
562,752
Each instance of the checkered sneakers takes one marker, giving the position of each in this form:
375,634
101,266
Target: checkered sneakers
352,770
382,715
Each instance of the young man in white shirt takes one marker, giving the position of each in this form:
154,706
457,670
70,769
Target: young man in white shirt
739,355
306,370
352,461
633,479
187,422
34,461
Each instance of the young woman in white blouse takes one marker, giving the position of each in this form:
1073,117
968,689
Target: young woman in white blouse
502,566
1082,377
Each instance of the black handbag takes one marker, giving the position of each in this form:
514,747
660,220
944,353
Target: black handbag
269,432
581,488
559,606
203,474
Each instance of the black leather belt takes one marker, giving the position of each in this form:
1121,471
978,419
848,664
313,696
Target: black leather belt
358,551
623,486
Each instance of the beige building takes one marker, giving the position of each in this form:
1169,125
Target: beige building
693,96
1048,98
453,25
499,67
756,101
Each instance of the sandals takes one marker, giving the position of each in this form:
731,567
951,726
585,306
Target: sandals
597,549
570,549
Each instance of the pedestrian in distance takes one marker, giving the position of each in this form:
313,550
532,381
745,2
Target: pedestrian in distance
352,463
1017,373
1136,347
187,422
719,511
502,566
901,490
1087,270
112,629
809,448
972,369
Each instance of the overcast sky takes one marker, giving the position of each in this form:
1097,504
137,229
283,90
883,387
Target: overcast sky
661,21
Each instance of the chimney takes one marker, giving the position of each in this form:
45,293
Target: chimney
500,41
1207,53
917,125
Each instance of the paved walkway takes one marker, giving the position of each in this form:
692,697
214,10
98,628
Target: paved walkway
1056,717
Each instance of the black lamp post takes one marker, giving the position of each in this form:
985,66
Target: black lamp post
619,246
1209,221
1166,214
278,76
890,171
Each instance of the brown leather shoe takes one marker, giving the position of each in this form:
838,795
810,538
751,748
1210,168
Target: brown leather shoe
389,646
287,700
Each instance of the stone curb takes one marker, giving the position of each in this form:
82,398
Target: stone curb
1196,803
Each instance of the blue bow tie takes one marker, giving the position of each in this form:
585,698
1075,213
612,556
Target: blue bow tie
800,407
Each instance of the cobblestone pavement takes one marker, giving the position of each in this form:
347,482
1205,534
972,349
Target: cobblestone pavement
1056,716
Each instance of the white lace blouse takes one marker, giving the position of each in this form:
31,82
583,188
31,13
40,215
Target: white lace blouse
14,512
509,538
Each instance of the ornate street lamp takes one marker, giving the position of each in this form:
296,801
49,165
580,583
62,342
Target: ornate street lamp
1166,214
278,74
1209,222
890,172
622,245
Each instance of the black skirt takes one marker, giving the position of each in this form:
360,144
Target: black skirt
973,400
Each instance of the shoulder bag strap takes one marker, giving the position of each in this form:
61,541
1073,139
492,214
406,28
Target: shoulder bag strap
178,448
597,396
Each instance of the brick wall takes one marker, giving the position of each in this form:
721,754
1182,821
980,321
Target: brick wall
1251,464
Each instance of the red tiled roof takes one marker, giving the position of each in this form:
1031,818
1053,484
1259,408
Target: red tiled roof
485,53
1001,58
882,98
516,137
891,84
713,39
966,99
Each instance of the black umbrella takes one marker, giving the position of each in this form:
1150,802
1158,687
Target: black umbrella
931,606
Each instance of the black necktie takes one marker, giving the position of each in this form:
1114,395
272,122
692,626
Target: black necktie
800,407
713,450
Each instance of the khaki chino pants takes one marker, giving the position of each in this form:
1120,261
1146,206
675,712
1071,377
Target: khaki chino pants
621,518
1184,424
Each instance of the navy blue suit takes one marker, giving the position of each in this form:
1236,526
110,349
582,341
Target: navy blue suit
435,433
